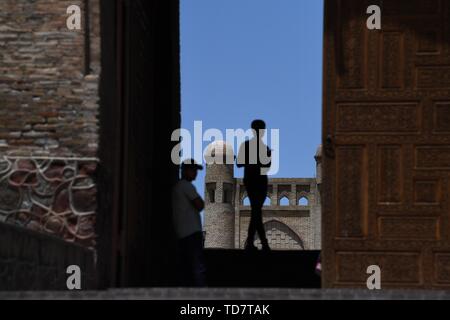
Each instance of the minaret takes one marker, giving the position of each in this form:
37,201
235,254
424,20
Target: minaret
219,196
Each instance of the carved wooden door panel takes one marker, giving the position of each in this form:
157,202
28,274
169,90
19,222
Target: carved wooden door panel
386,129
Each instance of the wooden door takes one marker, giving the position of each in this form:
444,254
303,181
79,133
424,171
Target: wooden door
140,108
151,111
386,132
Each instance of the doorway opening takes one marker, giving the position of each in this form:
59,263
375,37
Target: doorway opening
249,60
386,94
140,109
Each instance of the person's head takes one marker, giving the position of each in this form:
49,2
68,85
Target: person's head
189,169
259,126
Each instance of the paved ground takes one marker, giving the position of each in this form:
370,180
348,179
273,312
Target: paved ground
231,294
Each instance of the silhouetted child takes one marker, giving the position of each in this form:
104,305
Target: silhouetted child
255,156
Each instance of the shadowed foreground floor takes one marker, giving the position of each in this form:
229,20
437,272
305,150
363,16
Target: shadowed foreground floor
275,269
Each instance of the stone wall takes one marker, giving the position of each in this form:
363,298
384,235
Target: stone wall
39,262
48,117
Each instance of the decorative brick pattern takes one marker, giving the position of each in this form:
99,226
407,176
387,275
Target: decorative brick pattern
52,195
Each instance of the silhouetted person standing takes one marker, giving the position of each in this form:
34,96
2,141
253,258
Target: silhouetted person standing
255,156
187,205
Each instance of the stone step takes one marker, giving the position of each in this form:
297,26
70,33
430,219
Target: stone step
229,294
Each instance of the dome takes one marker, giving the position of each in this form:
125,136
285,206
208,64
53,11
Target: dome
219,152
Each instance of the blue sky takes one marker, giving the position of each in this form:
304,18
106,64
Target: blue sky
248,59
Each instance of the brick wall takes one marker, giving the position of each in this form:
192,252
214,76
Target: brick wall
48,105
288,227
48,115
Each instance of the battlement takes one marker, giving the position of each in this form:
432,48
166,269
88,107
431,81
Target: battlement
284,194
